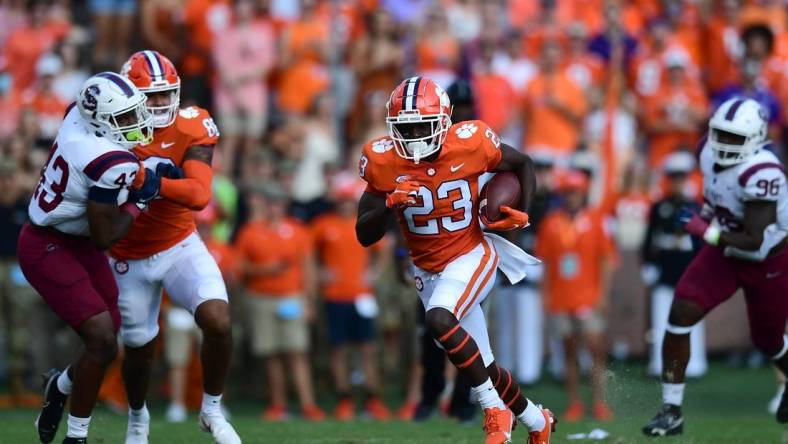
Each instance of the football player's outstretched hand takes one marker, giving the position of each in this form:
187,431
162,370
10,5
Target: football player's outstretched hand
404,195
148,189
513,220
168,170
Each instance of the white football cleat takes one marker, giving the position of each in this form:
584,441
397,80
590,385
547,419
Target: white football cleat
219,428
137,432
774,404
176,413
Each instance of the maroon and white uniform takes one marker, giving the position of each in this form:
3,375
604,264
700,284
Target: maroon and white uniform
716,273
56,253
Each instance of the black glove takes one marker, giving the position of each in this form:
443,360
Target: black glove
168,170
149,189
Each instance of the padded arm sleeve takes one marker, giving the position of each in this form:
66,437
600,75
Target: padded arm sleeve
194,190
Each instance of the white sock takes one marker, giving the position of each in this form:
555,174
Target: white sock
211,403
532,417
139,416
487,396
64,383
672,393
78,427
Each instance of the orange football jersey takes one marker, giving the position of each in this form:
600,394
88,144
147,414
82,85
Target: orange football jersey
443,225
166,223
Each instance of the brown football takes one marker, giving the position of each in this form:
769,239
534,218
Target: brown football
502,189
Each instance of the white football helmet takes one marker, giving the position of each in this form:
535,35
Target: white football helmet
737,131
113,107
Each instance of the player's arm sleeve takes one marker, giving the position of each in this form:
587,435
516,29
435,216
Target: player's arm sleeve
194,190
765,181
109,174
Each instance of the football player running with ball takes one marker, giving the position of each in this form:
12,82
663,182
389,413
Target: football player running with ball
426,172
163,250
74,216
744,223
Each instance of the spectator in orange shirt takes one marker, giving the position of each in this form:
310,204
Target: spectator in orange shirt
577,253
584,68
275,254
25,45
377,59
43,99
347,271
202,19
674,115
304,58
647,70
438,52
554,108
723,46
758,41
496,100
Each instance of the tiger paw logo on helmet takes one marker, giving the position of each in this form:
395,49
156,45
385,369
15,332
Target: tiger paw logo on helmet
383,145
466,130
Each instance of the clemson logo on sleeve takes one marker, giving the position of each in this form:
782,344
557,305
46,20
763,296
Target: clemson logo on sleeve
383,145
466,130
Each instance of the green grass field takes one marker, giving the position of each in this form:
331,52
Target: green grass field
727,406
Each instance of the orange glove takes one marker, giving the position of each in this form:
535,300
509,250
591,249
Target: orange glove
514,220
404,195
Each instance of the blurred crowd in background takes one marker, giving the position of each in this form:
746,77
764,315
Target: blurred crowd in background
618,91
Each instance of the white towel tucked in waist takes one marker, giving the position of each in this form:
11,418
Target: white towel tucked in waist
512,260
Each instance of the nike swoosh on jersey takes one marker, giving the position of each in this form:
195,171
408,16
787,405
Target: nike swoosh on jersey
454,168
167,145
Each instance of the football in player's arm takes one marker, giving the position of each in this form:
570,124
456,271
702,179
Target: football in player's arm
375,209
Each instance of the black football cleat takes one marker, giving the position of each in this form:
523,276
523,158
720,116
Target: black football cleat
70,440
52,410
667,422
782,409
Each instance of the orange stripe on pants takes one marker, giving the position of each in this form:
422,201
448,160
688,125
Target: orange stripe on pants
476,273
479,290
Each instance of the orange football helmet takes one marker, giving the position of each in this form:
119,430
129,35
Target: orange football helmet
153,73
419,117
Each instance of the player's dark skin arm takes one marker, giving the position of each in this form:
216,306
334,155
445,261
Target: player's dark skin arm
522,165
758,214
203,153
108,224
373,216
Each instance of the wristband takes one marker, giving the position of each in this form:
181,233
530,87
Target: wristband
712,235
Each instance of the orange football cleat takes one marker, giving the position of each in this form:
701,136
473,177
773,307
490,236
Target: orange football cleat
543,436
313,413
407,411
377,410
498,426
275,412
574,412
602,411
345,410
